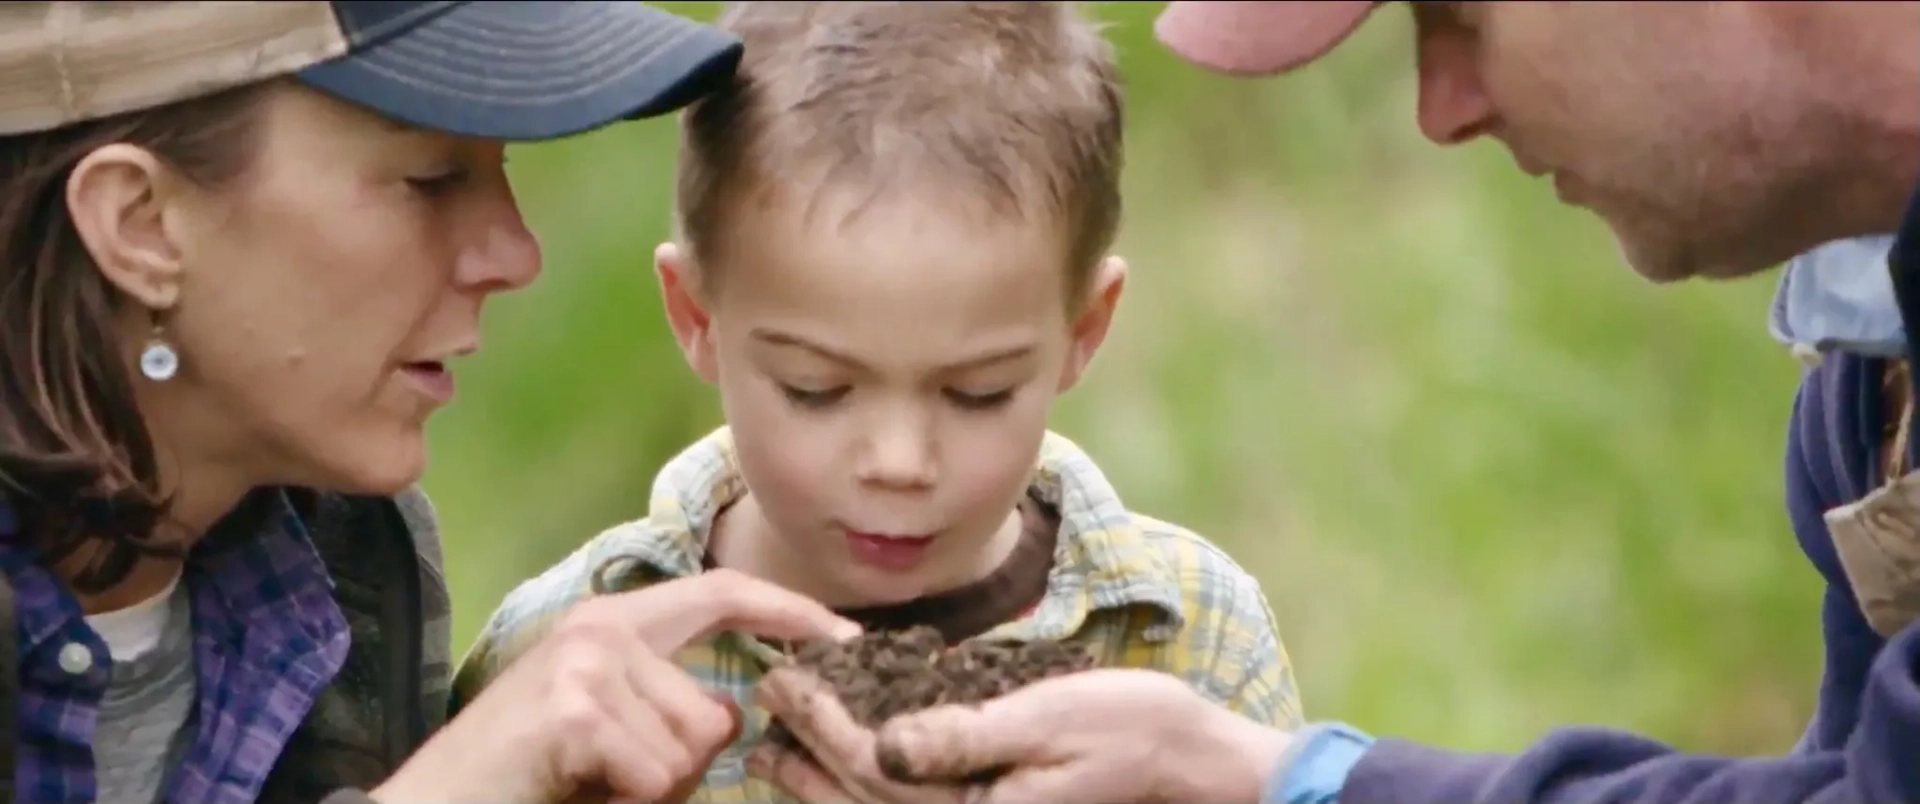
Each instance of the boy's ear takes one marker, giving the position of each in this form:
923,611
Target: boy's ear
1089,329
691,324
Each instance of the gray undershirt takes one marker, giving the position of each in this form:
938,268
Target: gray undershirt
142,728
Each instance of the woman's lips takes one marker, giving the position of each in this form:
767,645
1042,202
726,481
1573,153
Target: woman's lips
432,377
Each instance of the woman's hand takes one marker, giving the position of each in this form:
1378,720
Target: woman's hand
598,708
1098,737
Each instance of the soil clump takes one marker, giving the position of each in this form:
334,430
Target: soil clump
884,674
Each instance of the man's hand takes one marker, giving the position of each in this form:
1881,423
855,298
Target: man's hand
1098,737
843,766
598,709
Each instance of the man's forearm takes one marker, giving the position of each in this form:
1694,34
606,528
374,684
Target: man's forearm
1599,766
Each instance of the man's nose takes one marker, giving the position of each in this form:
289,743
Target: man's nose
1453,106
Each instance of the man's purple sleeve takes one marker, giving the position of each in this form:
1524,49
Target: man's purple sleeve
1595,766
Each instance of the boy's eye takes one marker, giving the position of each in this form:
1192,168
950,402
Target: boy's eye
813,399
973,401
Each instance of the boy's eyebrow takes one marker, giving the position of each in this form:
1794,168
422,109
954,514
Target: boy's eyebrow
776,337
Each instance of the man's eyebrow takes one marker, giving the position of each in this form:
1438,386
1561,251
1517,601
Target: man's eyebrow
774,337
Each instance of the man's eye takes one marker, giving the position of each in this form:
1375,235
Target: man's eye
813,399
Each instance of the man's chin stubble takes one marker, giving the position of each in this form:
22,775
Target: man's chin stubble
1664,258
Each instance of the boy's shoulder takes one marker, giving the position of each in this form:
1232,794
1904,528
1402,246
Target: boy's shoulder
617,558
1193,560
1124,557
686,493
1198,579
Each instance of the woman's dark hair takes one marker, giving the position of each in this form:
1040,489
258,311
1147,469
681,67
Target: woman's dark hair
77,463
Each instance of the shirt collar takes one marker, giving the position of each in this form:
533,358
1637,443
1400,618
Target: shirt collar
1839,297
1103,560
274,543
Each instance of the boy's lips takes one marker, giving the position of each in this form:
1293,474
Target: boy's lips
887,551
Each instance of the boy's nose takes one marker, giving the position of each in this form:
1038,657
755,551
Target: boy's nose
898,455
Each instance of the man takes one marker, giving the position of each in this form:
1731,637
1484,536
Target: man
1716,140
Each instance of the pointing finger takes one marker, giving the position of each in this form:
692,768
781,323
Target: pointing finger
687,609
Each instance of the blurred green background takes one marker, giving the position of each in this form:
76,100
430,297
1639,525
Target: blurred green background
1493,481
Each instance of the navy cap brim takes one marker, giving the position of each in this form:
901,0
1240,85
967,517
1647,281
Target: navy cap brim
530,70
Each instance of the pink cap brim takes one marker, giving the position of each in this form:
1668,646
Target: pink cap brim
1257,38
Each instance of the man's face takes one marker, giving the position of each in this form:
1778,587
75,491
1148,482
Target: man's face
1683,125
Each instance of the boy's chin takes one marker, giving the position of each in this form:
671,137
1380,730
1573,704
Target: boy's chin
871,586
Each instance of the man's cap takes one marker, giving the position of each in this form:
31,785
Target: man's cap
494,68
1258,38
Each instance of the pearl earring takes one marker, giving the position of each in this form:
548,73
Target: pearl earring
158,361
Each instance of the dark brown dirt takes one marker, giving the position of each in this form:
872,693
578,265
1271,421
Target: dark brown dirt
884,674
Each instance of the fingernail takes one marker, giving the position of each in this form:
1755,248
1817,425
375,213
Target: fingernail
847,629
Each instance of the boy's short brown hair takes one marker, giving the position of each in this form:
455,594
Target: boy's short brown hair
1017,104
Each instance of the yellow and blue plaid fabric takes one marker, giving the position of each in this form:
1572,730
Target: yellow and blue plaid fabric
1143,593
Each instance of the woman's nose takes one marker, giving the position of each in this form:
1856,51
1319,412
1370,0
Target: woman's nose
505,257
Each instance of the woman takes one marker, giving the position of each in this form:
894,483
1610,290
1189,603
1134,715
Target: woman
240,246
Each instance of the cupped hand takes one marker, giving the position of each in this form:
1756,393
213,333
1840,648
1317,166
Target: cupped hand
597,708
843,763
1098,737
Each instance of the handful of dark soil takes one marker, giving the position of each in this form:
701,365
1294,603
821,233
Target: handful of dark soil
884,674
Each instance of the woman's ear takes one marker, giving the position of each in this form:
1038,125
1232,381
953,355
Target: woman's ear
117,197
1089,329
691,324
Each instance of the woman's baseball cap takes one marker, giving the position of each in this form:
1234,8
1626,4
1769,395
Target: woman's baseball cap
493,68
1258,38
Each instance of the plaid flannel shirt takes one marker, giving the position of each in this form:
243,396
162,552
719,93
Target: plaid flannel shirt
268,638
1145,593
305,656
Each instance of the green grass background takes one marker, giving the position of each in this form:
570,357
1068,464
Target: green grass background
1492,481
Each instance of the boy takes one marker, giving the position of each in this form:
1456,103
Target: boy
890,258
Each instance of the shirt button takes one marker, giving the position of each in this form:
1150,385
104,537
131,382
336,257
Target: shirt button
75,658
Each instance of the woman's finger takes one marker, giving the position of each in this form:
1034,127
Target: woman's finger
643,758
681,611
632,760
707,727
688,724
702,720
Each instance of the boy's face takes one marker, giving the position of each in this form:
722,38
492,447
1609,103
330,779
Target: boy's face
887,378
